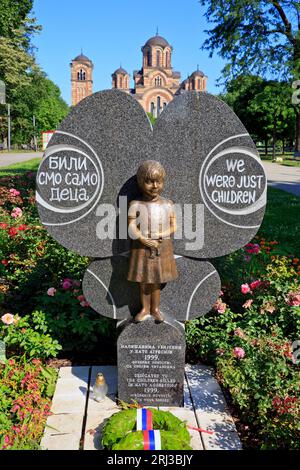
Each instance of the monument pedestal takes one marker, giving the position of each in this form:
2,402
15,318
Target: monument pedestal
151,360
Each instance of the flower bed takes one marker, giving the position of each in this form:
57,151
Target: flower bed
38,275
249,338
26,389
42,313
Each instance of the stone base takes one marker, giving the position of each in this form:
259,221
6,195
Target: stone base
151,360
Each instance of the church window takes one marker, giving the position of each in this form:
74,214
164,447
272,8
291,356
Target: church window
165,105
121,82
81,75
158,81
152,108
199,84
167,59
157,58
158,105
149,59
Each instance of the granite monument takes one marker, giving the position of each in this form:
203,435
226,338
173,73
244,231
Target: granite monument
88,188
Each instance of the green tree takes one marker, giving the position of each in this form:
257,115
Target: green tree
14,15
263,106
256,36
240,92
29,92
274,105
40,98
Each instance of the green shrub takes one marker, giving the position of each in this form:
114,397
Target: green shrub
28,336
26,389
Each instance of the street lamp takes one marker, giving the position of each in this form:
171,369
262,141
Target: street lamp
3,101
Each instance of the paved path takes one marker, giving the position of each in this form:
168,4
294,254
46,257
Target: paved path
7,159
283,177
77,420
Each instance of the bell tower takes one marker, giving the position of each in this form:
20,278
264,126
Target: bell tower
81,78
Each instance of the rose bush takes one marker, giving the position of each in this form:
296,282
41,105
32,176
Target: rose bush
249,341
39,275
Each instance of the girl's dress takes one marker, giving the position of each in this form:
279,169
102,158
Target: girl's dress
146,265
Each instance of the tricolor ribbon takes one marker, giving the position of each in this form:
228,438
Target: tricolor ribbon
200,430
152,440
143,419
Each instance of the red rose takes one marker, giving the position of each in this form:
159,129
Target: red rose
22,227
13,231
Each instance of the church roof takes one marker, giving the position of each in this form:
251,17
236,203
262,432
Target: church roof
197,73
81,58
121,71
157,41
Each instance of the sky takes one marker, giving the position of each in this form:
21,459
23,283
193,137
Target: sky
111,33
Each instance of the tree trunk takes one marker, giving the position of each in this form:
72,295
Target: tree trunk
297,144
266,147
283,150
274,139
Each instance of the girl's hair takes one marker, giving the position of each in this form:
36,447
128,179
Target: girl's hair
150,169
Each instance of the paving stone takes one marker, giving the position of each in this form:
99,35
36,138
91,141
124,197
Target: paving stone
63,432
211,410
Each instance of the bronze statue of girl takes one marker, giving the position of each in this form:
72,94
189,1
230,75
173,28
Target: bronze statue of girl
151,222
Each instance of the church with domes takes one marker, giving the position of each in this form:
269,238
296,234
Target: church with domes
155,84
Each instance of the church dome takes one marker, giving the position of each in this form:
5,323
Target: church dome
157,41
120,71
197,73
82,58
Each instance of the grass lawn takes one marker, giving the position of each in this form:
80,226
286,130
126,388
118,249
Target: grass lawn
290,163
288,159
282,221
12,151
22,167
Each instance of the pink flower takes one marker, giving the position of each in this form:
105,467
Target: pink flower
248,303
7,319
67,284
14,192
239,332
247,258
255,284
17,212
84,304
252,248
239,353
221,293
51,291
81,298
293,299
16,429
220,306
245,289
